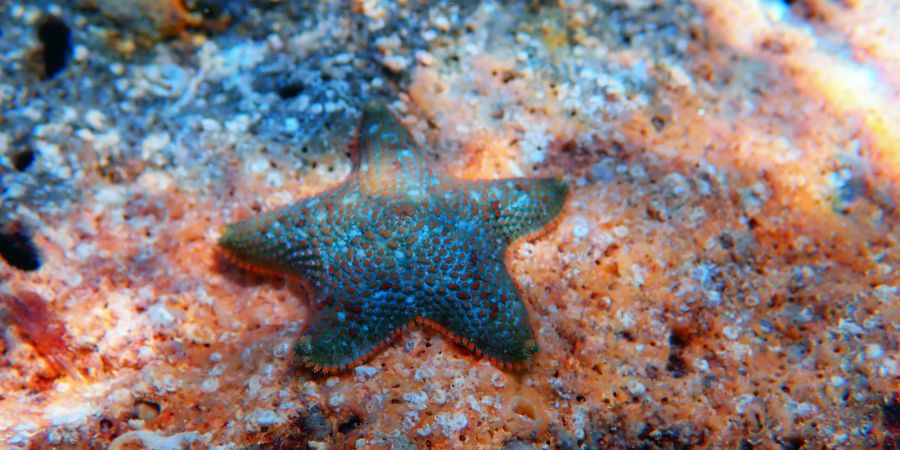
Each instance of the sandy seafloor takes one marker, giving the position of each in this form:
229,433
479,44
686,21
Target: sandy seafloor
724,273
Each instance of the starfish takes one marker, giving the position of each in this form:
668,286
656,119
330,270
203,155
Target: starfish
402,242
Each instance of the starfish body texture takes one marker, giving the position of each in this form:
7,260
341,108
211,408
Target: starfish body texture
401,242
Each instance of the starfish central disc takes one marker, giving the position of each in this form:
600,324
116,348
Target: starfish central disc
400,242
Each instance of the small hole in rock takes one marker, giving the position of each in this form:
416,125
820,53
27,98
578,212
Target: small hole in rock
18,250
209,10
290,90
106,426
146,410
891,411
792,443
525,409
679,338
676,365
350,424
22,160
56,38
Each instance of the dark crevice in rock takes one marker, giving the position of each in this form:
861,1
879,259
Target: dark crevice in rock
18,250
676,364
22,160
350,424
56,39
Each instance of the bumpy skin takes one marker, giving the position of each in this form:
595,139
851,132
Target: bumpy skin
400,242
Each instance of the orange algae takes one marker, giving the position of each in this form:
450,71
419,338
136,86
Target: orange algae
43,330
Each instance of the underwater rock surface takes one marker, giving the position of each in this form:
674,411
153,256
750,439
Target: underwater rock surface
723,274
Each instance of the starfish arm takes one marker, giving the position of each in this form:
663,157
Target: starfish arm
387,158
487,315
347,328
518,207
283,241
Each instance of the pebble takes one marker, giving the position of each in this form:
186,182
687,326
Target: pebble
80,53
365,371
498,380
742,402
439,396
636,387
266,417
395,63
451,424
874,351
426,59
210,385
424,431
154,143
291,124
800,409
160,317
117,69
281,350
418,400
441,23
336,399
580,228
424,373
85,134
701,364
603,171
731,332
410,419
95,119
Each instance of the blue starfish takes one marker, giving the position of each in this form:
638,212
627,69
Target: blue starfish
401,242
